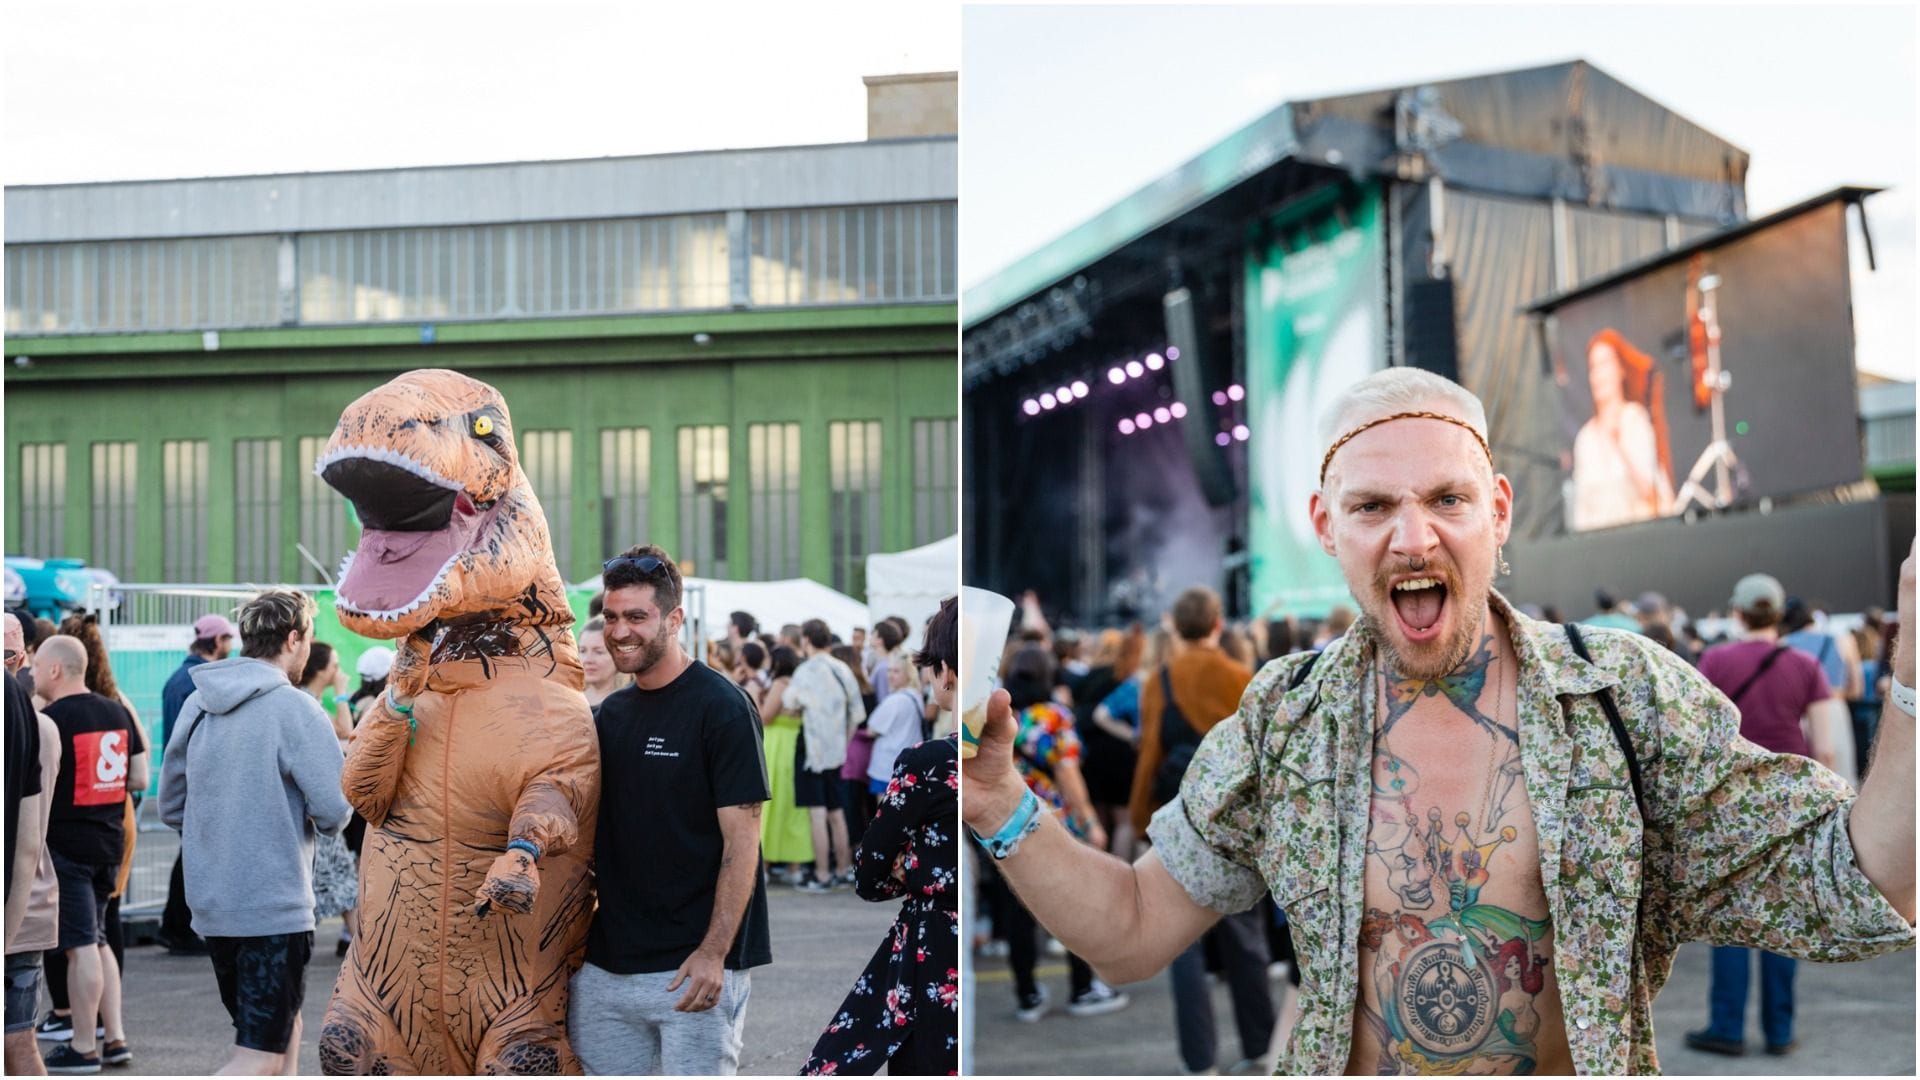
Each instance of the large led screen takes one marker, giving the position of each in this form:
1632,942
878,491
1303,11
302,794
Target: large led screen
1712,381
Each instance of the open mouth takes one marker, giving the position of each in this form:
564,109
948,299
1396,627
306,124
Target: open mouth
415,525
1419,603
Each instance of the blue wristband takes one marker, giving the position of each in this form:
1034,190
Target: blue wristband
532,849
1024,822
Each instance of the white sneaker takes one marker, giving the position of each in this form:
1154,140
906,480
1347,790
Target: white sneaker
1098,1000
1032,1008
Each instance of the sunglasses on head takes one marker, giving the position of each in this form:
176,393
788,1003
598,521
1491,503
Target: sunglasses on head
646,564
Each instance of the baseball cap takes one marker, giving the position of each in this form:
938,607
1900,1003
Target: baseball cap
1750,591
212,628
375,663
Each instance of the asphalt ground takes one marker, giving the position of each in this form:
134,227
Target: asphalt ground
1850,1019
176,1025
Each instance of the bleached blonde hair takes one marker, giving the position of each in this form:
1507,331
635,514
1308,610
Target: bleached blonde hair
1398,389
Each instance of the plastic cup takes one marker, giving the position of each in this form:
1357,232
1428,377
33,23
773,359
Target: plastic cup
985,619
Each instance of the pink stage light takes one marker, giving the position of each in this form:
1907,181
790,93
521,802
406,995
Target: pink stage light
1126,426
1173,352
1031,408
1155,362
1143,421
1162,415
1063,395
1219,397
1179,410
1134,370
1236,392
1222,439
1240,432
1079,389
1047,402
1116,376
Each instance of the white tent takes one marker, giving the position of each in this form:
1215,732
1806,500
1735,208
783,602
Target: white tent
774,603
911,584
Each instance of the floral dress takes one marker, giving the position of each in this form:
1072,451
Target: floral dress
904,1010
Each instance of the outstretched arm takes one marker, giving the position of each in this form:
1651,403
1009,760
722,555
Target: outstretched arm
1128,921
1882,823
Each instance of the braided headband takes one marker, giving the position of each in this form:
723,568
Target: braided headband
1454,420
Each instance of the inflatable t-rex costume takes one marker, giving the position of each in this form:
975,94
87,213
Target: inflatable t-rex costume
465,947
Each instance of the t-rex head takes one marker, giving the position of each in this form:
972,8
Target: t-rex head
450,527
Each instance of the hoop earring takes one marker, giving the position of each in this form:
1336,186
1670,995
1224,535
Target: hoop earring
1502,556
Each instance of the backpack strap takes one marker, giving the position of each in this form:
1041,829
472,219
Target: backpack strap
1613,720
1300,673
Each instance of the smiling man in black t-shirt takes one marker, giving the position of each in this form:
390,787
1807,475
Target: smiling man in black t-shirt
683,908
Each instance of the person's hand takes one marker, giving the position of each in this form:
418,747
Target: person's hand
512,883
993,786
411,664
899,871
339,683
703,974
1096,836
1903,648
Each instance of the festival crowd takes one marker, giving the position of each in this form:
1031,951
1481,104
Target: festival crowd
792,759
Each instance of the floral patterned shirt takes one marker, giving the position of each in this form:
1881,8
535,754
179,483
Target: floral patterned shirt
1744,847
1045,739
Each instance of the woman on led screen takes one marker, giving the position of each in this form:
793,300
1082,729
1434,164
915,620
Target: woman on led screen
1621,469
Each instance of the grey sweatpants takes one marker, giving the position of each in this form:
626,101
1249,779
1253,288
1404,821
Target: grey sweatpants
624,1025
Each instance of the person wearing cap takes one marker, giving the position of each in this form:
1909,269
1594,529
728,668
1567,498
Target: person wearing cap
1490,834
1776,689
212,640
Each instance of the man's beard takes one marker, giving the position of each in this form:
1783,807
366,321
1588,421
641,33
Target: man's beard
1436,659
650,654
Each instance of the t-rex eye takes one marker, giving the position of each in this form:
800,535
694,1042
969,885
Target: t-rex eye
483,426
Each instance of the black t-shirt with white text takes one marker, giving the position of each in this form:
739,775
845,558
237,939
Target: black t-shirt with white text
669,759
97,740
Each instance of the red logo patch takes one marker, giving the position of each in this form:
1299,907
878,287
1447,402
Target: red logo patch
99,768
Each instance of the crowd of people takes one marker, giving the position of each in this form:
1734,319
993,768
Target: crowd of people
828,764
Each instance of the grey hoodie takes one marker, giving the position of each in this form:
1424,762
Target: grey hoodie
252,769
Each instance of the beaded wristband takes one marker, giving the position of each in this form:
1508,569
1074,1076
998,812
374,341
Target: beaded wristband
1024,822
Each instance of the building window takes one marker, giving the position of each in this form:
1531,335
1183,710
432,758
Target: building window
115,504
183,511
853,462
773,501
501,271
547,459
626,470
703,501
935,490
131,285
43,500
852,255
256,511
324,524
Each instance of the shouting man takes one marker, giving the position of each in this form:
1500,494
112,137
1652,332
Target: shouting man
1489,836
683,904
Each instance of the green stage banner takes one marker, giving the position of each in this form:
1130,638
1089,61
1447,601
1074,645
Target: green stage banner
1314,283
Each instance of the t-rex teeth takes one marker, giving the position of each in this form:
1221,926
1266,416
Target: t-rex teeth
386,456
340,601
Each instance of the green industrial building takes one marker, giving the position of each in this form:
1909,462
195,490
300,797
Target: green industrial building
747,356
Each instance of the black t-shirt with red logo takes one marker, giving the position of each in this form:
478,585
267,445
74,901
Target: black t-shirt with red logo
97,740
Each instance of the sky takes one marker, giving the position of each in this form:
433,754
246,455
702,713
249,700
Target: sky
1065,111
118,91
